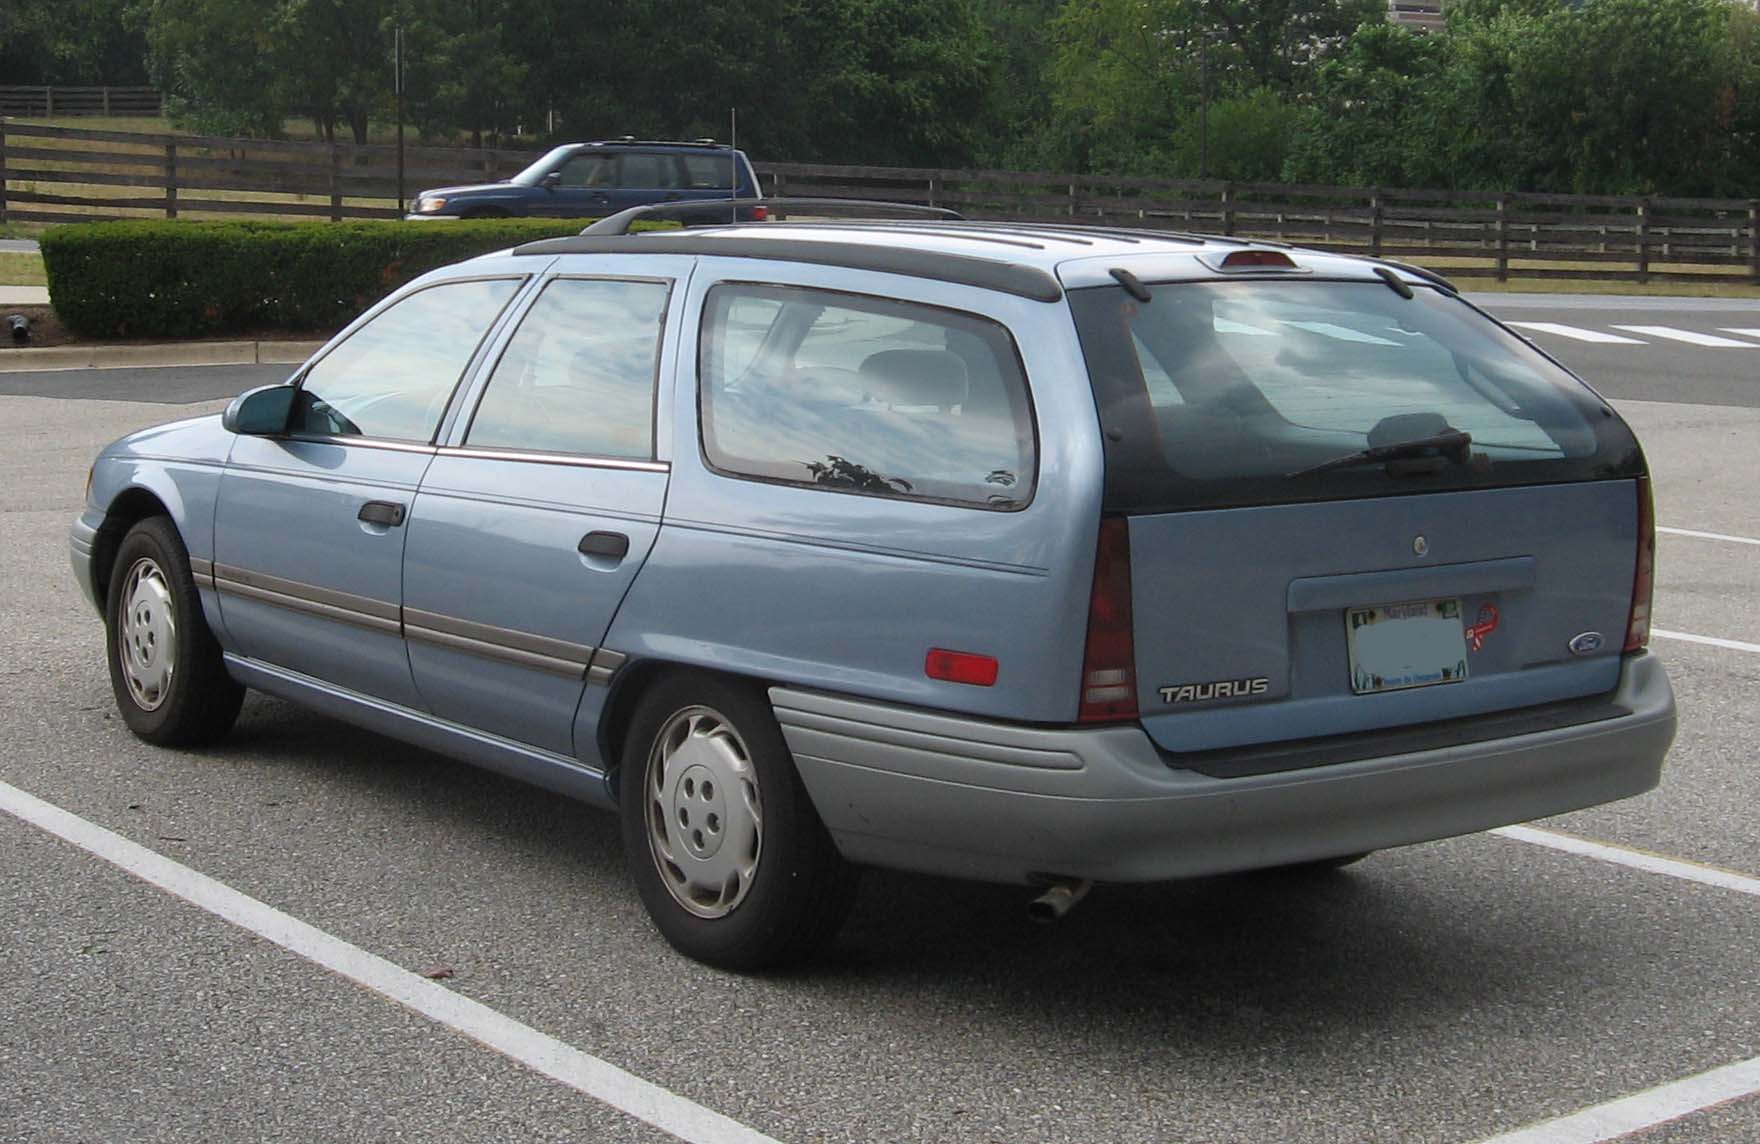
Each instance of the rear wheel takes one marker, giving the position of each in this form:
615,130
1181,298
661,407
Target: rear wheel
731,861
165,667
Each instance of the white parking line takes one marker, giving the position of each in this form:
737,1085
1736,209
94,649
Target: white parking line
1692,337
1746,332
587,1074
1635,859
1708,535
1708,641
1643,1110
1577,332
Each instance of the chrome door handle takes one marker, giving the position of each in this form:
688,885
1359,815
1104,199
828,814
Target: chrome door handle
614,545
382,513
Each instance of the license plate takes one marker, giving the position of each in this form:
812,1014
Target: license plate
1396,646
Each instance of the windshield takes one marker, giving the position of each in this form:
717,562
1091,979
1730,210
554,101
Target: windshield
1228,393
530,176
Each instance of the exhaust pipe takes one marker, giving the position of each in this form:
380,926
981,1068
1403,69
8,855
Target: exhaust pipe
1058,900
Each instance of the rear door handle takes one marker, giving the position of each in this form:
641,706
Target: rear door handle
383,513
610,544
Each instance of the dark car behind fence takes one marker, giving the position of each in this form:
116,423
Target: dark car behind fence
60,174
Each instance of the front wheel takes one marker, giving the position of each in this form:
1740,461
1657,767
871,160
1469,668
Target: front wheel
165,665
731,861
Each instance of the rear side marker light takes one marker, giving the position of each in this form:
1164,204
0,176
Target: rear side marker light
1644,572
1109,678
961,667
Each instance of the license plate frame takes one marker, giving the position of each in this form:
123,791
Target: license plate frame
1406,645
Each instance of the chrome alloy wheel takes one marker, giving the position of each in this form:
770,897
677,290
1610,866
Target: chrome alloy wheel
705,820
146,646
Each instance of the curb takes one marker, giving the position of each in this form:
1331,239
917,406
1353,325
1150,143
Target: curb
168,354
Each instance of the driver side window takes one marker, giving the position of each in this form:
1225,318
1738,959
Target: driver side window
392,378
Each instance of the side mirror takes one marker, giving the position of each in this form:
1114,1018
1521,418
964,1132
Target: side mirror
260,412
551,181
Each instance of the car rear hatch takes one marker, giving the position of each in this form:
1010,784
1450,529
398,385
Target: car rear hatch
1354,506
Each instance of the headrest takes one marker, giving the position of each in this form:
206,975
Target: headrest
915,377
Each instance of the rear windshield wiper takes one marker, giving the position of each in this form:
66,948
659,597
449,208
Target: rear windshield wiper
1451,443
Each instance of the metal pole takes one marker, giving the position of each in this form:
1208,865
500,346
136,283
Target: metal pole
733,161
397,84
1204,105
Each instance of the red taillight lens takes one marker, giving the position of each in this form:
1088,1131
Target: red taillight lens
1258,260
1109,676
760,214
960,667
1644,575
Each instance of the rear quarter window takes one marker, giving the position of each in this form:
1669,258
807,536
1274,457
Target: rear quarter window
867,395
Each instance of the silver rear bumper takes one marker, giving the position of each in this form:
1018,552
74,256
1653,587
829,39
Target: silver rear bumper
942,794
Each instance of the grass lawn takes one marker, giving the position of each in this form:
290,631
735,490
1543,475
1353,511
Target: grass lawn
17,269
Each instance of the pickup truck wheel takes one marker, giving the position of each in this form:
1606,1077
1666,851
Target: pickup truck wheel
731,861
165,667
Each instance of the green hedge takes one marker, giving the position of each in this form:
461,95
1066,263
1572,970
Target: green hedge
178,279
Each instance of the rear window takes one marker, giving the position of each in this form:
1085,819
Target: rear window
1229,393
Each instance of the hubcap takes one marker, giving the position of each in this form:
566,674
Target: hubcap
705,821
146,647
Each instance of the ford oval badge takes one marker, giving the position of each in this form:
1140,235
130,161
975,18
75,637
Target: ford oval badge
1586,644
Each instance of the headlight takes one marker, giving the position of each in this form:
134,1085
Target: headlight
428,204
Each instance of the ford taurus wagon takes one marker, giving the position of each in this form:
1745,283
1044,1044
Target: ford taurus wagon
1036,554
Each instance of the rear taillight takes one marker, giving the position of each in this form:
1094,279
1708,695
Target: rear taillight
760,214
1109,677
1644,574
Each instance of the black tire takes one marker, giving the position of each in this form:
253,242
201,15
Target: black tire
195,702
798,890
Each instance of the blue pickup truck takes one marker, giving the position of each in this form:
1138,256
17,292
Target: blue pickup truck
587,180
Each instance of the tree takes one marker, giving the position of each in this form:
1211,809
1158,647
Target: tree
1371,118
54,42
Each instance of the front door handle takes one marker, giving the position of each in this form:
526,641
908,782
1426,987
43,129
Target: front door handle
383,513
614,545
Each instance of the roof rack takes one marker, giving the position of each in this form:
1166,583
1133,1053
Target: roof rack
631,140
691,209
1429,276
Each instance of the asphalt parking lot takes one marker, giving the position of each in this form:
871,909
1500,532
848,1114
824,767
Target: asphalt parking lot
1469,990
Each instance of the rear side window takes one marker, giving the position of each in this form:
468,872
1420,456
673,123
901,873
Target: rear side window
393,377
579,375
643,172
865,395
709,172
1233,393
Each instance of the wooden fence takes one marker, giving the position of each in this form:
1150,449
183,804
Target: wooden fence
33,101
57,174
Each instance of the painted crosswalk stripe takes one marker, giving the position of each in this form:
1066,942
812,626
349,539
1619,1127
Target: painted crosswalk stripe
1578,333
1745,331
1691,337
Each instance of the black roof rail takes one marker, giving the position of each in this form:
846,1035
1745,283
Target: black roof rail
692,209
1427,275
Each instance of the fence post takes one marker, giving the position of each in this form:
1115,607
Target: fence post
170,180
3,173
931,190
1227,211
1503,237
1375,222
106,92
1753,219
48,103
335,182
1643,240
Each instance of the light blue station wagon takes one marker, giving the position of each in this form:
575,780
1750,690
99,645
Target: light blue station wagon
1029,553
